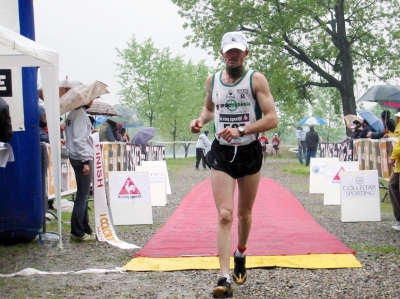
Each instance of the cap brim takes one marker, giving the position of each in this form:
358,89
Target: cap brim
398,114
234,46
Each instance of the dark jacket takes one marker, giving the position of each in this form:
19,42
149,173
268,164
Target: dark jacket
312,139
365,131
390,124
356,134
6,132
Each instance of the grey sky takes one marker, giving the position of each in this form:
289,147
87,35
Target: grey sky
86,33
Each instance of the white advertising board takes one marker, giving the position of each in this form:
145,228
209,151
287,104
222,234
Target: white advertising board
130,201
317,173
164,164
332,183
157,175
359,192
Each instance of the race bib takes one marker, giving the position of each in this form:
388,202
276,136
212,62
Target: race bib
234,120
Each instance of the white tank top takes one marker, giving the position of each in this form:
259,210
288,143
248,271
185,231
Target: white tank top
235,105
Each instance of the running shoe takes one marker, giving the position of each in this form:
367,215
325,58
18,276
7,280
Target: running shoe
223,289
239,272
397,226
84,238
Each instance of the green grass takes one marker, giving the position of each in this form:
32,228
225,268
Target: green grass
388,249
174,165
295,168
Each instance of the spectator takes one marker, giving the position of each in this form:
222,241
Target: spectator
394,181
202,144
275,145
6,132
43,130
108,131
312,141
124,136
366,128
357,129
301,143
44,137
389,126
43,134
80,150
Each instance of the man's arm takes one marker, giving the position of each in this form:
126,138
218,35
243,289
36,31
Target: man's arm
207,113
267,105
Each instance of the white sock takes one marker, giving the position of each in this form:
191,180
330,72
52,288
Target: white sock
228,277
239,254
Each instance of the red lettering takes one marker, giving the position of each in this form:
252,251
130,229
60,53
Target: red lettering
98,160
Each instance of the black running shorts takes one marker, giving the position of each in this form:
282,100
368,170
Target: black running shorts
246,161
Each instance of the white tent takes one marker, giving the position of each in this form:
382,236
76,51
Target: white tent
19,51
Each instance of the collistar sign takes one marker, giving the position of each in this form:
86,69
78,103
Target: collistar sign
359,186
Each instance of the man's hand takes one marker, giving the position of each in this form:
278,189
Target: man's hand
86,169
196,125
392,161
228,134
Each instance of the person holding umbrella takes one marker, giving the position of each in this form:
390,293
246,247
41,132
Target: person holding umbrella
80,150
108,131
394,181
366,128
357,129
312,141
388,126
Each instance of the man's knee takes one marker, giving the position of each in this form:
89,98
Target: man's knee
244,215
225,217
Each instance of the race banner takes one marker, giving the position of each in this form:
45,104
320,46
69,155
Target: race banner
104,227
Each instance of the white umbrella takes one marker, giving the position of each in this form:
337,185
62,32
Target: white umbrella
312,120
81,95
63,87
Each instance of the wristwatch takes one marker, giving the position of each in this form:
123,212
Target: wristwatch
241,131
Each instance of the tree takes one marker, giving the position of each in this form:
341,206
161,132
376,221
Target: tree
183,101
303,44
166,90
143,76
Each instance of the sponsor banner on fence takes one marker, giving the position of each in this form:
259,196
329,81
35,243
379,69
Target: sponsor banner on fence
115,157
371,154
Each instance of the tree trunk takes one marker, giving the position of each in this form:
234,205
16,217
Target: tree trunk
346,87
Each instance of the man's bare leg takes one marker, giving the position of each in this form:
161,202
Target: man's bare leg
223,187
248,186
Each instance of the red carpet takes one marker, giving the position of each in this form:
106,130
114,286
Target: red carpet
281,226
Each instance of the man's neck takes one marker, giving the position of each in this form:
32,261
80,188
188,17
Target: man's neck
235,73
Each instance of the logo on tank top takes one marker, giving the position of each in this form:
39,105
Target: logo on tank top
242,93
231,105
230,94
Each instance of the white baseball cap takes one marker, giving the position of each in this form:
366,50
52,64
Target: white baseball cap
234,40
398,114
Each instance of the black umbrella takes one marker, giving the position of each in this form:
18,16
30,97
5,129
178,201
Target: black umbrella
382,94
